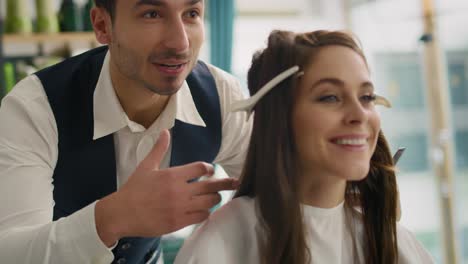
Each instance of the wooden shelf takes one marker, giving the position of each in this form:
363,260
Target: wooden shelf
48,38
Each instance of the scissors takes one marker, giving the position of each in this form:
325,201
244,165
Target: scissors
397,155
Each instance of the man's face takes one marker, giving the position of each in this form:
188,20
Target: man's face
155,43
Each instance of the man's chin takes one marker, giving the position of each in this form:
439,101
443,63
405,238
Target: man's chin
164,89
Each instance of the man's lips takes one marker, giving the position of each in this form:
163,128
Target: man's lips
171,67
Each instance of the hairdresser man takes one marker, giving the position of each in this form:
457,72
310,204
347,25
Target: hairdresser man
98,154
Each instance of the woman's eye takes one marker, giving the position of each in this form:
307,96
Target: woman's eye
329,99
151,14
369,98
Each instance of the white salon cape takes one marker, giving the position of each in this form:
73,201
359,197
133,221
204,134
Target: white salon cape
229,236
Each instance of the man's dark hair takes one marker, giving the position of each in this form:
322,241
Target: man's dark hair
108,5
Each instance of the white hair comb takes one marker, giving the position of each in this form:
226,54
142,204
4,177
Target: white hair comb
249,103
380,100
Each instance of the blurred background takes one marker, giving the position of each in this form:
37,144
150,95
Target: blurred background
418,55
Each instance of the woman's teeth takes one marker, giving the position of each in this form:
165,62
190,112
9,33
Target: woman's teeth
361,141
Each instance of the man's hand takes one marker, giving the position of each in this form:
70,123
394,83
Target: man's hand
154,202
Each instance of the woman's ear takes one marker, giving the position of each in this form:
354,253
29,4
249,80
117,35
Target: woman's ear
102,25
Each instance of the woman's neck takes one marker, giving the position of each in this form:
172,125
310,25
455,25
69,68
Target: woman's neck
325,191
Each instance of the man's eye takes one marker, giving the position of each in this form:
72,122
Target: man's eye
328,99
151,14
193,14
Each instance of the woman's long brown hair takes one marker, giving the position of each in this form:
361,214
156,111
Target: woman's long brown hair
270,172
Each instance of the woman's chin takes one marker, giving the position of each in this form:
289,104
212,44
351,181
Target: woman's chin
356,173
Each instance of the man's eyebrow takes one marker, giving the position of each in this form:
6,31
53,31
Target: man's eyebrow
149,2
162,3
194,2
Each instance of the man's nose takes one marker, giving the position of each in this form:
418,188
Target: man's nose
176,37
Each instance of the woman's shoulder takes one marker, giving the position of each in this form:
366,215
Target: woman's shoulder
227,234
236,214
410,250
243,205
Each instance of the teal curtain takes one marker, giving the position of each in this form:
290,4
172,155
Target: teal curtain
221,19
2,73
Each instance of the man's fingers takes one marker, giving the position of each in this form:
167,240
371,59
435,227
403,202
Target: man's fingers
203,202
154,158
213,186
192,171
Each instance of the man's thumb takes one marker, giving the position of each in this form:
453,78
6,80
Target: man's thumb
155,156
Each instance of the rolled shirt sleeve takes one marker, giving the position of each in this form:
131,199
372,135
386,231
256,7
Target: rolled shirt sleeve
28,154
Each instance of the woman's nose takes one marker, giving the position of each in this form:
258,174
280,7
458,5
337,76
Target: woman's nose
355,112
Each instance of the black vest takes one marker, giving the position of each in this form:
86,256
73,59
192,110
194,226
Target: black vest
86,168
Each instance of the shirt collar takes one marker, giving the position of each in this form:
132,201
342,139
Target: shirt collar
109,116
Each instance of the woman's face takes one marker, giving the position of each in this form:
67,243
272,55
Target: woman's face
334,118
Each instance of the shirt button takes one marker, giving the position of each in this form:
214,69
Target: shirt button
121,261
126,246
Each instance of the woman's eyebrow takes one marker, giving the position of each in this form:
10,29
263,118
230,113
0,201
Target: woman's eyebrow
367,85
333,81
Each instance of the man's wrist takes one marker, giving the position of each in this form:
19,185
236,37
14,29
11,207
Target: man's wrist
107,221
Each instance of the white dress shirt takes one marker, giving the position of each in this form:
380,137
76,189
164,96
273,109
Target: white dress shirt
230,236
28,155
